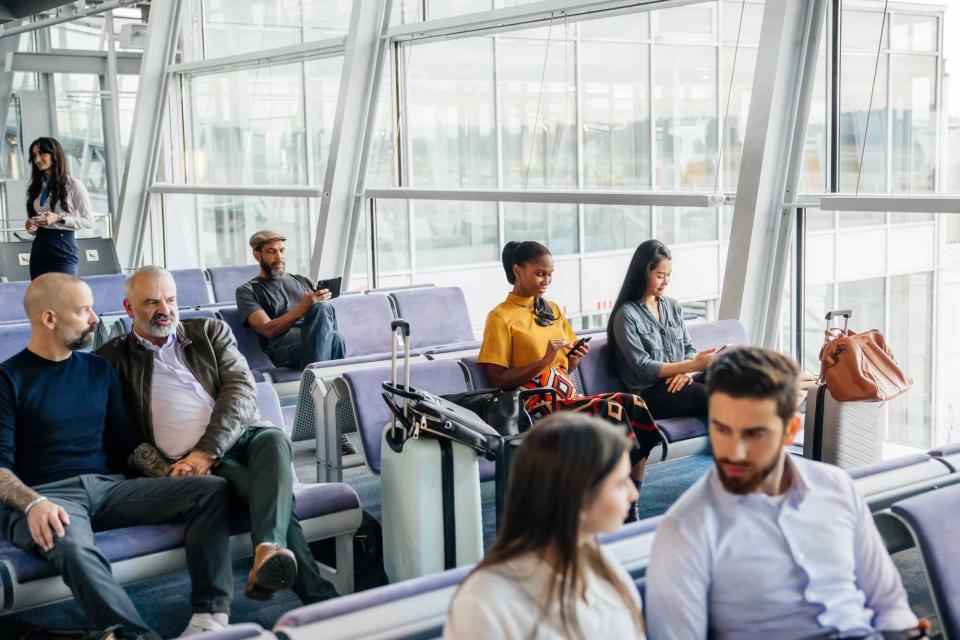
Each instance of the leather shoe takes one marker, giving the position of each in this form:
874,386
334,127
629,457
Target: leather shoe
346,447
273,569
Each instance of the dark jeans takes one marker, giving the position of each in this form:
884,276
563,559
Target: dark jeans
258,470
689,401
313,339
97,503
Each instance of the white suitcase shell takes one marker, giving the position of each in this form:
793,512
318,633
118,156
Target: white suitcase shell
846,434
413,507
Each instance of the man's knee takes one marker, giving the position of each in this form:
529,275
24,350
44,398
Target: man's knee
271,441
210,487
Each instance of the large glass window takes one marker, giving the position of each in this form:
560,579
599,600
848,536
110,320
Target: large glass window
909,337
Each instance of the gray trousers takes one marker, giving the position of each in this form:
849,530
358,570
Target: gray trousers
101,502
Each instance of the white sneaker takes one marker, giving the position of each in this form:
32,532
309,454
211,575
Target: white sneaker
205,623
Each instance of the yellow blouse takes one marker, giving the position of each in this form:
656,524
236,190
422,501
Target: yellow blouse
512,338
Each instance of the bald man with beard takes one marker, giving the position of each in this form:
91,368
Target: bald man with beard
58,408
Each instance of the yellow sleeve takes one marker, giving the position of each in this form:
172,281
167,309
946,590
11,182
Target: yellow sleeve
497,346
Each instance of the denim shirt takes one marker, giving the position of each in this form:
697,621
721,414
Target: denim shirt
644,344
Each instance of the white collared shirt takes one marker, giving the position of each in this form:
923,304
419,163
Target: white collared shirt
81,211
179,406
504,602
788,567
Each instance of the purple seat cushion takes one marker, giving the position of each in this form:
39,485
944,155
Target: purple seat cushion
247,340
371,412
437,316
11,301
268,403
947,450
888,465
191,287
704,335
643,527
933,519
13,340
225,280
282,374
236,632
122,544
364,322
595,372
477,375
372,598
107,292
677,429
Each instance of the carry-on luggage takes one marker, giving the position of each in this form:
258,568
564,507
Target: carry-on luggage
847,434
430,476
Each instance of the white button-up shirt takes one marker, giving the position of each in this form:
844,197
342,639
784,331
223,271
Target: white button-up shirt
800,565
505,602
81,211
179,406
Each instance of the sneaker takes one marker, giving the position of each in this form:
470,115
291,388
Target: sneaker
346,447
273,569
205,623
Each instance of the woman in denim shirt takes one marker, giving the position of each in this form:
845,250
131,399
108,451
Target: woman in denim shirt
651,347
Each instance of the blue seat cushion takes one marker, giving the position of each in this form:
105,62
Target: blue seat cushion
312,501
107,292
11,301
225,280
282,374
437,316
677,429
364,322
13,340
191,287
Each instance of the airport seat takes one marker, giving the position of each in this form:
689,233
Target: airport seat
243,631
949,455
107,293
13,339
225,280
191,287
417,608
11,302
886,482
249,344
438,316
356,398
932,521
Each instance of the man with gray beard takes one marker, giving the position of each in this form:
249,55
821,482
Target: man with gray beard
191,391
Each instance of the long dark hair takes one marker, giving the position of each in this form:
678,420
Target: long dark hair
557,472
520,253
645,259
59,175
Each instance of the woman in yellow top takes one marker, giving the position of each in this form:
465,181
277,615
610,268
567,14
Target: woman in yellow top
527,342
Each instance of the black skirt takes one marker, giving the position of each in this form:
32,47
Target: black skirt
54,250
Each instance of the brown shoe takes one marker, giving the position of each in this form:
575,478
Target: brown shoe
273,569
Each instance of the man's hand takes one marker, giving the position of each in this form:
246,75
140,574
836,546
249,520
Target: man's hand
195,463
45,520
679,381
311,297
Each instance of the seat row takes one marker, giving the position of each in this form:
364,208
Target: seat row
417,608
326,511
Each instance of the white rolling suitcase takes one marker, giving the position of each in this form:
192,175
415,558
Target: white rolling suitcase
845,434
430,486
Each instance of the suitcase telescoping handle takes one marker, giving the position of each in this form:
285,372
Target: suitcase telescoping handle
403,327
838,313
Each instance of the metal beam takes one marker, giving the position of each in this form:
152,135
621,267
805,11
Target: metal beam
7,47
523,16
130,225
71,61
280,55
341,205
110,114
758,255
623,198
92,10
899,204
231,190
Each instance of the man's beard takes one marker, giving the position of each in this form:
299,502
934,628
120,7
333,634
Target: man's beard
274,271
73,340
745,484
159,330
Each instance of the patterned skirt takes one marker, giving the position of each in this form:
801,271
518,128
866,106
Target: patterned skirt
626,409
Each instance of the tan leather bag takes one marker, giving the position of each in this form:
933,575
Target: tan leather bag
859,366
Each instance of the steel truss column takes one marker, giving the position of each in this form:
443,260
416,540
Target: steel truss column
8,46
110,113
131,223
758,257
341,203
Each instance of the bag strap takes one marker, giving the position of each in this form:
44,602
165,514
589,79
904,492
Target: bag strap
449,509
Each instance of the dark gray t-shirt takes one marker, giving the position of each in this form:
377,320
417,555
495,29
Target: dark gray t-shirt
275,296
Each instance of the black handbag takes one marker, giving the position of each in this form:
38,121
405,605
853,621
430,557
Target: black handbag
425,413
502,410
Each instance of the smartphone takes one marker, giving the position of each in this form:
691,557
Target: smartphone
723,348
331,284
579,343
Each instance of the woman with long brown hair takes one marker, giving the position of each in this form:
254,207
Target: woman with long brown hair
546,576
57,205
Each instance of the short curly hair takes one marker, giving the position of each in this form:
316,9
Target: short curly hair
754,372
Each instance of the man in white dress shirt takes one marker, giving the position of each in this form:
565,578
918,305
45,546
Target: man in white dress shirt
769,545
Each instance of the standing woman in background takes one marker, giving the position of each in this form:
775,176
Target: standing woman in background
57,205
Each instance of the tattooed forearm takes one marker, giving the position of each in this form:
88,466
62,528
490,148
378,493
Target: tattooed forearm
13,492
148,461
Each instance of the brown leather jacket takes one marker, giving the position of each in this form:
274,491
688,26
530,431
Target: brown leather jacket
210,352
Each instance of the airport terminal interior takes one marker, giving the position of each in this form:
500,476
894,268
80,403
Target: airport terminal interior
795,160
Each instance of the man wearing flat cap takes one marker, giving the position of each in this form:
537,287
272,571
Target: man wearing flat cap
295,325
